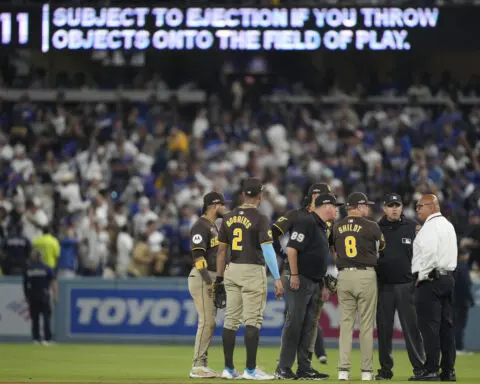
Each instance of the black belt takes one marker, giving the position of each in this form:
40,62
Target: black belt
355,268
434,274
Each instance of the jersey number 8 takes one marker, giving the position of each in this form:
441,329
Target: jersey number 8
297,236
351,246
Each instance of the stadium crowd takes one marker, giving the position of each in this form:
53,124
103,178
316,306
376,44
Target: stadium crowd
113,189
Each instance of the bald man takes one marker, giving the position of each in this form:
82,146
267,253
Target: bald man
433,263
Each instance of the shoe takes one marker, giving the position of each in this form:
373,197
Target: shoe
256,374
383,375
343,375
322,359
202,373
285,374
464,353
425,376
46,343
367,376
230,374
449,376
311,374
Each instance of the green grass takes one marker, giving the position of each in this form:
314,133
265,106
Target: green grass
161,364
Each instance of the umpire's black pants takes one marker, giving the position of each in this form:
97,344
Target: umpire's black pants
40,307
299,324
435,318
401,298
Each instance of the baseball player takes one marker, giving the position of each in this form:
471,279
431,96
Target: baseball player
247,232
204,245
357,242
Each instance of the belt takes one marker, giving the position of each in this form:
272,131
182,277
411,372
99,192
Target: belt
441,272
356,269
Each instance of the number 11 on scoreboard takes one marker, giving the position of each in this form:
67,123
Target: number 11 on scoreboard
22,21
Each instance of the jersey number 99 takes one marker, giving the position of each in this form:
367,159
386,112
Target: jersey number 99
237,239
351,246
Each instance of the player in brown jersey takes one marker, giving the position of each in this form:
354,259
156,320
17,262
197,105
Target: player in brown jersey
357,241
204,245
247,232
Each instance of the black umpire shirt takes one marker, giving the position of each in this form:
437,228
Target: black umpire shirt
395,263
37,279
309,237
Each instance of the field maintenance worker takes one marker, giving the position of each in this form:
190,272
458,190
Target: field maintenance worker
282,226
204,246
247,232
357,242
38,279
308,251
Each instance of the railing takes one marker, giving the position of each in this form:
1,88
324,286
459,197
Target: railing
197,96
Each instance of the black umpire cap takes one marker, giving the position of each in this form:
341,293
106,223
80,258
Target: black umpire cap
392,199
326,198
212,198
252,186
357,198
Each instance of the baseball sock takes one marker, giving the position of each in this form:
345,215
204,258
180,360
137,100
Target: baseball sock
251,343
228,337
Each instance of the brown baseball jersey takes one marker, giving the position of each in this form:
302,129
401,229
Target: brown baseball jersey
285,223
245,229
204,237
357,242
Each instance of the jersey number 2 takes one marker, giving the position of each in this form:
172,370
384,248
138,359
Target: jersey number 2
351,246
237,239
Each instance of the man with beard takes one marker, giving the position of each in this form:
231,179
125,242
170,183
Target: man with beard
204,245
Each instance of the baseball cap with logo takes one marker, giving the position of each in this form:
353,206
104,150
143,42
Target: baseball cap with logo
357,198
213,198
392,199
322,188
252,186
326,198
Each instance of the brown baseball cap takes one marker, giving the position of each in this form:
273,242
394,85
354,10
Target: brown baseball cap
357,198
322,188
326,198
252,186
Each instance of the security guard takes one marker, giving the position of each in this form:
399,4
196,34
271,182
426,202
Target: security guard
433,264
396,288
247,232
308,251
38,278
357,242
283,226
204,245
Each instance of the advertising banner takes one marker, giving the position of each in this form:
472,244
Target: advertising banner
14,316
48,27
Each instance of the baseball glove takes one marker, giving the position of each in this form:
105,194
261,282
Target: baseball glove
219,294
330,283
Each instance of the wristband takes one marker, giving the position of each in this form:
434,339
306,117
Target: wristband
219,280
294,274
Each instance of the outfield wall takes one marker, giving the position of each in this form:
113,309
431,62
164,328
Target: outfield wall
153,311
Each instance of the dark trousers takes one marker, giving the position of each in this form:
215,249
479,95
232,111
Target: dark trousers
435,318
401,298
461,319
37,308
319,343
299,324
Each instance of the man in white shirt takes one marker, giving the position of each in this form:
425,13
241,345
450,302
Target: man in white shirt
433,263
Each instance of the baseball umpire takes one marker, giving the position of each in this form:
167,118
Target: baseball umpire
204,245
308,251
357,242
247,232
284,225
38,279
396,288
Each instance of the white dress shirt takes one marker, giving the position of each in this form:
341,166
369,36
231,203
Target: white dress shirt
434,247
